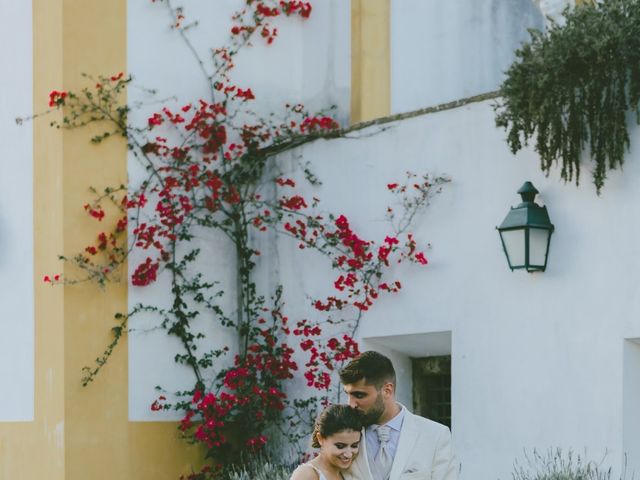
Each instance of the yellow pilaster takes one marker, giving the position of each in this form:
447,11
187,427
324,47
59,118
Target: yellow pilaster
100,442
35,450
79,433
370,59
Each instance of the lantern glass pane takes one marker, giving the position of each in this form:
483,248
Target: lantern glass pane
514,244
538,241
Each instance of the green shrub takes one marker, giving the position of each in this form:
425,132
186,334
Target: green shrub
572,87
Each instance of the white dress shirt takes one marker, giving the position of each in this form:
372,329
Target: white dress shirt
371,437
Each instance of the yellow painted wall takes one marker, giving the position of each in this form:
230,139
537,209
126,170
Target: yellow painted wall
100,441
79,433
35,450
370,59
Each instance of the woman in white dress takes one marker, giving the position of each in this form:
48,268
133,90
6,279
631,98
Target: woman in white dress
337,434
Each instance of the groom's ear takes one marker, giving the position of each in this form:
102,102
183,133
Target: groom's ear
388,389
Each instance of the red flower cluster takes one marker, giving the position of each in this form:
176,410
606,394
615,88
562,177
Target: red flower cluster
145,273
361,269
285,182
250,393
157,404
293,203
95,212
312,124
323,356
57,98
257,17
293,6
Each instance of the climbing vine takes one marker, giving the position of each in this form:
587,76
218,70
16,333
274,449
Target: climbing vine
572,87
211,166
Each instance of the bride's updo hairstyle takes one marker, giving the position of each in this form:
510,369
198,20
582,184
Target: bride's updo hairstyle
335,419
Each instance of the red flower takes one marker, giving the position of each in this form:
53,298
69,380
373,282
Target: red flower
420,258
56,98
245,94
294,203
285,182
155,120
146,273
94,212
306,345
383,254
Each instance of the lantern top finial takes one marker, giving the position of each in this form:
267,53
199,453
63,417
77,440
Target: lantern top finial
528,192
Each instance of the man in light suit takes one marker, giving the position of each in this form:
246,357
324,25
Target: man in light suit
395,444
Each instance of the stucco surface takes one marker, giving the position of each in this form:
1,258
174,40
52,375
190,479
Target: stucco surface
16,215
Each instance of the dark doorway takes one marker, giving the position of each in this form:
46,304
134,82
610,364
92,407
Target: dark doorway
432,388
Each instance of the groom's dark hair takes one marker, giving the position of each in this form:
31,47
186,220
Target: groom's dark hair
373,367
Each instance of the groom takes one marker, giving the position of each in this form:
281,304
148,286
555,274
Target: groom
396,444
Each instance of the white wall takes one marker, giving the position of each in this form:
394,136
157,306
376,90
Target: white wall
552,9
16,214
296,68
445,50
536,357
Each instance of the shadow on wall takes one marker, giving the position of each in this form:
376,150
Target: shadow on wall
3,236
630,403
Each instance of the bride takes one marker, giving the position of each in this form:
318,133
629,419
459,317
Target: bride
337,434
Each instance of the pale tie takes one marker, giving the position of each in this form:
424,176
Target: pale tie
383,460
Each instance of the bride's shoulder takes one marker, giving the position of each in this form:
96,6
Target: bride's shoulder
305,472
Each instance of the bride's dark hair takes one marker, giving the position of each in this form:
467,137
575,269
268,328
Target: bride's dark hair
335,419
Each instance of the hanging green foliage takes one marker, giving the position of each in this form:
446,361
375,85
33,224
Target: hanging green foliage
572,88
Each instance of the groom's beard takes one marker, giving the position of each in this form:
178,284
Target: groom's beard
375,412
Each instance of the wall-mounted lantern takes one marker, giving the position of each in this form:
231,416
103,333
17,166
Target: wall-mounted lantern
526,233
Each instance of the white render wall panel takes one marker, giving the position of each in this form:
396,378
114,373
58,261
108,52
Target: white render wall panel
16,215
308,63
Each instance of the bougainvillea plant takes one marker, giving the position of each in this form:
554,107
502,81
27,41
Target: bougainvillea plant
211,172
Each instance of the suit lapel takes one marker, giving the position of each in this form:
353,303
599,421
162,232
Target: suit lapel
408,436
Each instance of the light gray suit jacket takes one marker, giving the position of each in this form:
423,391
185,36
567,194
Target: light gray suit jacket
424,453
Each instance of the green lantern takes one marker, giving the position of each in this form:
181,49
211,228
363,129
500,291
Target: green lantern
526,233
